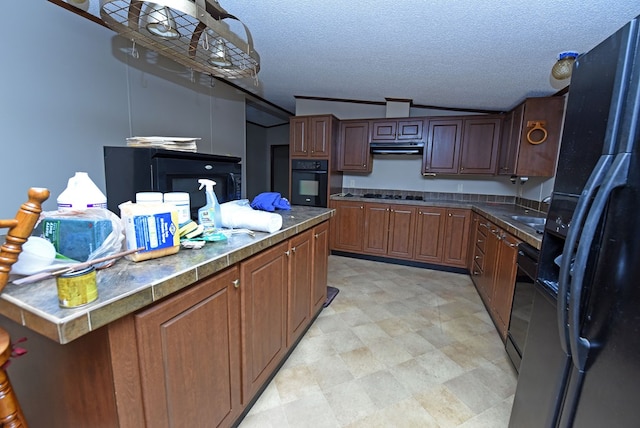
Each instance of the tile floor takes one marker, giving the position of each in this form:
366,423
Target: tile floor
398,347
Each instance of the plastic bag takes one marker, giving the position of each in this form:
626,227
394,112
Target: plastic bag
82,235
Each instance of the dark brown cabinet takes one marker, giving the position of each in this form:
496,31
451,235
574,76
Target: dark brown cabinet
430,226
420,233
505,275
312,136
353,146
376,226
480,140
456,237
494,270
442,149
531,138
462,145
347,226
263,285
397,130
299,285
189,369
389,230
320,267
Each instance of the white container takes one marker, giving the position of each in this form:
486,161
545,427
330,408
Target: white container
182,203
81,193
148,198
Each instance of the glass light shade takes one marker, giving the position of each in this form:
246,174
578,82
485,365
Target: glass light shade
562,68
160,22
220,54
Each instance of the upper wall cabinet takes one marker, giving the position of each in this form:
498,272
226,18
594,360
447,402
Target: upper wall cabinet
480,140
353,146
531,138
462,145
396,130
312,136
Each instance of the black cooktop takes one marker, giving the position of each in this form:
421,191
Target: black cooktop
381,196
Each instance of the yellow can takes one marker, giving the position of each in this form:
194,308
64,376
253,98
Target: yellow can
77,288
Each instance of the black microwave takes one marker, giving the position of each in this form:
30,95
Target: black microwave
129,170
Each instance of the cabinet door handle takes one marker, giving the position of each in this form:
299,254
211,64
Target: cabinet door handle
293,249
480,241
287,253
316,236
236,283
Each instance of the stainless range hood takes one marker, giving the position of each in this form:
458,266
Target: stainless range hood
396,148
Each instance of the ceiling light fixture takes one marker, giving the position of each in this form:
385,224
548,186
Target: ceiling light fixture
562,68
181,30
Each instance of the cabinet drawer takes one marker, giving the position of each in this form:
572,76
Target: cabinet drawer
480,243
478,260
477,268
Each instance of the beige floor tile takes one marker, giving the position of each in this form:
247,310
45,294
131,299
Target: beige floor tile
444,406
350,402
361,362
330,371
407,413
311,411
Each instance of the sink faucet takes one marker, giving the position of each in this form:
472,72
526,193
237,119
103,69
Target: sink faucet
547,200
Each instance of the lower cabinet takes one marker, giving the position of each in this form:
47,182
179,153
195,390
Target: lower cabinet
189,355
319,267
347,226
299,290
419,233
263,289
494,270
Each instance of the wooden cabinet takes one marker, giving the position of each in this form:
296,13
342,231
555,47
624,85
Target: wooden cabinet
480,140
531,138
456,237
299,285
312,136
396,130
389,230
462,145
320,266
347,226
494,270
430,231
442,149
505,275
376,227
189,355
263,285
353,146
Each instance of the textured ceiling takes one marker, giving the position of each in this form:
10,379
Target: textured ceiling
485,55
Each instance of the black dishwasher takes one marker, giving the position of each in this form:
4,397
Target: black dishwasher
522,302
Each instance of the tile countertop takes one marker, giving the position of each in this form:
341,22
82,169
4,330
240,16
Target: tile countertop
498,213
128,286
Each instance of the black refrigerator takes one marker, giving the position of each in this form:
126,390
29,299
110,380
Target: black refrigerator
581,362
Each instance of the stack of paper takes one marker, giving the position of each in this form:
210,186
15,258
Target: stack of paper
168,143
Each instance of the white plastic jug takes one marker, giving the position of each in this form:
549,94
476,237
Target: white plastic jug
81,193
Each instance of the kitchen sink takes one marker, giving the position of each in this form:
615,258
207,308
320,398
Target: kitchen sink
529,219
537,223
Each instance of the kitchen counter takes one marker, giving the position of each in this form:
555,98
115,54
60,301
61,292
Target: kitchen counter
498,213
129,286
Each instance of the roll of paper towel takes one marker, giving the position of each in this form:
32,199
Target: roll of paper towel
36,256
240,215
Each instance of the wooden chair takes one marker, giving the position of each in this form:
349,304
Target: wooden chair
20,229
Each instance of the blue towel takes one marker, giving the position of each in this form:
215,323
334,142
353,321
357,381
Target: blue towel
269,201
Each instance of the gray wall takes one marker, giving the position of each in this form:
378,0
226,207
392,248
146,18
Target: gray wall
69,88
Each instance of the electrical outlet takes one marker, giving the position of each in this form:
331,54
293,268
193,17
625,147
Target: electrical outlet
460,188
352,183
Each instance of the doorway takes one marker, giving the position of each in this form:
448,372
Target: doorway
280,169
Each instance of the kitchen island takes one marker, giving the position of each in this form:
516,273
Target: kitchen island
173,341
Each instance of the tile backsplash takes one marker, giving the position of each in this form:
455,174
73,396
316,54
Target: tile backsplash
444,196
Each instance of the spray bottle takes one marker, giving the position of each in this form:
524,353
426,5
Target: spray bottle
209,215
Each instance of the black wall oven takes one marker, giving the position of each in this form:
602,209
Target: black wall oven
309,182
129,170
522,302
